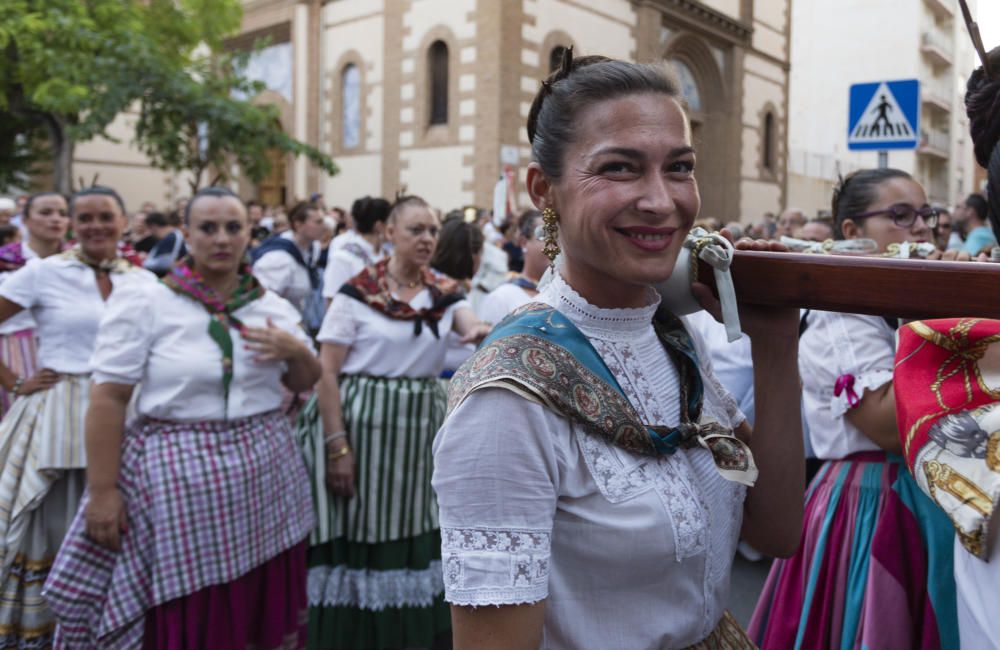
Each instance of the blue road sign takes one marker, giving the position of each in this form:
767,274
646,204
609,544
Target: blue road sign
884,115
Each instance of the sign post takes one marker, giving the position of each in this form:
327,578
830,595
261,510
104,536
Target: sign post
884,115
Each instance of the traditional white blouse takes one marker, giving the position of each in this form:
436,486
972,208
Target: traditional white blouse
23,320
835,345
342,263
157,337
281,273
386,347
501,301
63,297
628,551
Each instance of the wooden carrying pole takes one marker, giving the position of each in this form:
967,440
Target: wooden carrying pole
911,289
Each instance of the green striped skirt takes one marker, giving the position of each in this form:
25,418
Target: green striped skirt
375,576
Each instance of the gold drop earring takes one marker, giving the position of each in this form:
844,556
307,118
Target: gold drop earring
550,221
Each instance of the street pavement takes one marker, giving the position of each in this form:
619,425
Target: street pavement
748,580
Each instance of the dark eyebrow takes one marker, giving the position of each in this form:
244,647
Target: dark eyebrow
636,154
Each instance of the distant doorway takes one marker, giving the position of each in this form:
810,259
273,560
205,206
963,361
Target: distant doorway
272,189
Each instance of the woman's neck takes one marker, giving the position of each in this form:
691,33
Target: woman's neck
222,283
44,248
404,272
373,239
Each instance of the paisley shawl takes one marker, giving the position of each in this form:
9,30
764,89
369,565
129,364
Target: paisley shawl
370,287
539,354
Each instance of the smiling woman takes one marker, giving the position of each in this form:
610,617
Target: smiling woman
588,473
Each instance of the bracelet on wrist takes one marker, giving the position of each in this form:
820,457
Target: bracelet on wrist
335,436
340,453
16,388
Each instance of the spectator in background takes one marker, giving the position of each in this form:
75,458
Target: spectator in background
979,237
944,230
352,251
815,230
258,232
7,209
280,222
736,228
515,254
286,263
156,227
523,287
342,221
458,255
790,220
139,232
170,246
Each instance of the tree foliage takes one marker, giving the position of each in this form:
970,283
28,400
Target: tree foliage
71,67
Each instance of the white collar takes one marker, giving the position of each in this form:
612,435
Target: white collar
624,324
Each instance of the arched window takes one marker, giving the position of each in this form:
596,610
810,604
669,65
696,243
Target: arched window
689,87
555,57
437,63
350,95
767,150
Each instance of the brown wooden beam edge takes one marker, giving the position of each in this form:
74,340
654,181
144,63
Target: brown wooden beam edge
910,289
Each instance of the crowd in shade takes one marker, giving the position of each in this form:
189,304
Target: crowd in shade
233,425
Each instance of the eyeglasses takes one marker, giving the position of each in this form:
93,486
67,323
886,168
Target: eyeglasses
904,215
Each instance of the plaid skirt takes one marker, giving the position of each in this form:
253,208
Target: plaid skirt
207,502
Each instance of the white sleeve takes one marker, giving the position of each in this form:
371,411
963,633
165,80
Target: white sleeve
862,347
275,271
496,474
286,317
125,336
339,323
21,287
339,270
495,306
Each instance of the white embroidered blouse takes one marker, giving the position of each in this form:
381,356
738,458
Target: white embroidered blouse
627,551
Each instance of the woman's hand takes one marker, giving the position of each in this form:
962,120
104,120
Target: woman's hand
477,333
105,518
340,472
757,321
272,343
44,379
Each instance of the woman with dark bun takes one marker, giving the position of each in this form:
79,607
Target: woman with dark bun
42,451
868,573
354,250
591,488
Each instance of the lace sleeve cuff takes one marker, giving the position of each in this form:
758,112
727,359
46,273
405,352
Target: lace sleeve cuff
854,390
494,566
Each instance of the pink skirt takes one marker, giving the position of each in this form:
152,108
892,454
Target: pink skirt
265,609
18,351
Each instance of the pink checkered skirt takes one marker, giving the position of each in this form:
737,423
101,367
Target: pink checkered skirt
207,503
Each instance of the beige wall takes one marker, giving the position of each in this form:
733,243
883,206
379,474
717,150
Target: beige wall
438,174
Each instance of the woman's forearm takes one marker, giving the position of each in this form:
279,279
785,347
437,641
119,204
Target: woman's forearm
303,371
773,510
328,396
105,425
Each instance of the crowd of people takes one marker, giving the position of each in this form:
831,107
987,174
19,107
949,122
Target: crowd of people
225,425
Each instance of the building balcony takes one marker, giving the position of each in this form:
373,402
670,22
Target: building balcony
942,9
937,96
935,143
937,48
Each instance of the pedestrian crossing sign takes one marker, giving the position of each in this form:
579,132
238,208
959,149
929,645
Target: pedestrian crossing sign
884,115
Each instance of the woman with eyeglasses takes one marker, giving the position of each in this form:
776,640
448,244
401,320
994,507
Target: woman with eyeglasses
868,572
375,577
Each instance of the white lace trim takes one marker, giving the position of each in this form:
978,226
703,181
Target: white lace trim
608,324
329,586
494,566
869,381
669,476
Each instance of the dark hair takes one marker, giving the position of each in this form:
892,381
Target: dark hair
529,221
300,212
457,244
31,199
214,191
157,219
977,203
97,190
404,201
576,84
856,192
9,231
982,105
368,211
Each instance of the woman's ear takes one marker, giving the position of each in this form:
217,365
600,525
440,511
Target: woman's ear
850,229
539,187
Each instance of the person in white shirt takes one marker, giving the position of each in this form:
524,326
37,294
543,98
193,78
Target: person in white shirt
46,218
523,287
42,458
196,515
591,485
286,263
375,554
358,248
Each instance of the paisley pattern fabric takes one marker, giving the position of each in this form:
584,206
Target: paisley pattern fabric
947,381
539,354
